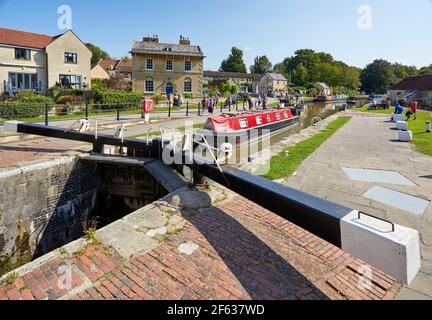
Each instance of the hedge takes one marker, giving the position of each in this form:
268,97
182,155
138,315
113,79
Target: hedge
71,100
28,105
117,97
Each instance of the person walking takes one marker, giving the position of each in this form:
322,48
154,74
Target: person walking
414,106
216,101
203,104
264,102
249,101
210,105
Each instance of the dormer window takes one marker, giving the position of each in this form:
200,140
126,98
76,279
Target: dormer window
71,57
22,54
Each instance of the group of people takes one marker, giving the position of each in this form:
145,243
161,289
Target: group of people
410,113
211,103
256,102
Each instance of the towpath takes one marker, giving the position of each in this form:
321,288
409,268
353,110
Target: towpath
368,141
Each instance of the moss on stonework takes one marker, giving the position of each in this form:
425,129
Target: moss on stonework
8,264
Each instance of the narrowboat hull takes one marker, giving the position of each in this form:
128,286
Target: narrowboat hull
239,138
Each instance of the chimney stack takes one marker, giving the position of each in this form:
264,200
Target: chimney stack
151,39
184,40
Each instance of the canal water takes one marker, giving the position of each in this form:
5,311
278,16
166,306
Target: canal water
315,111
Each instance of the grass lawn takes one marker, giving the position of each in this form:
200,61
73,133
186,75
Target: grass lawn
381,111
421,139
282,166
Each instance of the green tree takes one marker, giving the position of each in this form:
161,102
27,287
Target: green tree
328,73
425,70
261,65
350,77
401,71
378,76
234,62
97,53
299,76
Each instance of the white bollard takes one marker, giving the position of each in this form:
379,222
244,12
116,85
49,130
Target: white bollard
405,136
428,126
398,117
402,125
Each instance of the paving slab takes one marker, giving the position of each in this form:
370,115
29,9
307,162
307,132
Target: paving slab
398,200
378,176
367,142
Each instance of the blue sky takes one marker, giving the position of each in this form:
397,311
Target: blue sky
401,29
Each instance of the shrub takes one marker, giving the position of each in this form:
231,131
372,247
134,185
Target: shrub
71,100
188,96
118,84
133,99
28,105
97,84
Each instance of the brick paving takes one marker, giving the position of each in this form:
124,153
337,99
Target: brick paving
244,252
16,154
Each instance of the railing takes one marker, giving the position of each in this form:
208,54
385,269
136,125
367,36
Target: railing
44,113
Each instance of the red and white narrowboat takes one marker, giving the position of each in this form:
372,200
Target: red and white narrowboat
245,126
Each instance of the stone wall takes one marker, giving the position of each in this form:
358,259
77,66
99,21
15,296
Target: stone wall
42,206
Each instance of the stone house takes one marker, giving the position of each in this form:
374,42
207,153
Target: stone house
117,67
97,72
124,68
323,88
109,65
164,68
270,83
413,88
35,62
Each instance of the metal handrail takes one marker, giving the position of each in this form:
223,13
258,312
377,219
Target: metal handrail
360,213
313,123
148,132
210,149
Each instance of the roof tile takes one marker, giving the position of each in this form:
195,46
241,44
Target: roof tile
25,39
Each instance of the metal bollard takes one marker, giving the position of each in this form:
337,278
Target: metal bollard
46,114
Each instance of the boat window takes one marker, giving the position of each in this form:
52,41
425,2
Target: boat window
278,116
286,115
259,120
243,123
269,118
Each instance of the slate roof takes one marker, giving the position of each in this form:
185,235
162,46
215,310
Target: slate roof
178,49
209,73
423,83
322,85
277,77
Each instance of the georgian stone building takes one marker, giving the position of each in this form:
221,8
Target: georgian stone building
35,62
164,68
